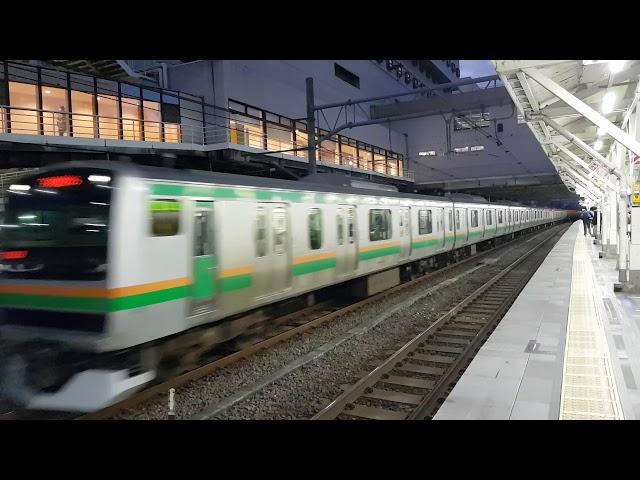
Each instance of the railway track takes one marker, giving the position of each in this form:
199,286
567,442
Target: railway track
283,328
413,382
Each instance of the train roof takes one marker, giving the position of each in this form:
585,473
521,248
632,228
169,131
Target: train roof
159,173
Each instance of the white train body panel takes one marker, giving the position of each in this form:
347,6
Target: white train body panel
239,246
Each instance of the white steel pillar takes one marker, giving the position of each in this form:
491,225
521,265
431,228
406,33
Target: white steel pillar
634,244
618,155
610,224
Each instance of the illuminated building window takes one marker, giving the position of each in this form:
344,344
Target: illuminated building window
23,96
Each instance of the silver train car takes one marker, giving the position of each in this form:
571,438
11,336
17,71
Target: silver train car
109,269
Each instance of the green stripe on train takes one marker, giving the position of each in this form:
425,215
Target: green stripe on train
93,304
314,266
225,192
427,243
236,282
381,252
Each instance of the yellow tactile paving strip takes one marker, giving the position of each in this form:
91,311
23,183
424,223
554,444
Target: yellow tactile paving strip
588,384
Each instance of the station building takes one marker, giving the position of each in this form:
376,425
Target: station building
249,116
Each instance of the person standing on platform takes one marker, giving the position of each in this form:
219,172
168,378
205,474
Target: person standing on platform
594,220
586,217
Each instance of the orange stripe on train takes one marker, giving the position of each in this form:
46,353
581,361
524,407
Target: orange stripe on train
86,292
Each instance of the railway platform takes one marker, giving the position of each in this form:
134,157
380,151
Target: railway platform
568,348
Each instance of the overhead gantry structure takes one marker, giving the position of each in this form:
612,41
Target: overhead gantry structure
586,117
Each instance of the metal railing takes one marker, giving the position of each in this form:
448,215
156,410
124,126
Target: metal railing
30,121
8,178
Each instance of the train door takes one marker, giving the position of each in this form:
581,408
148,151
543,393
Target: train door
482,218
346,240
273,260
440,226
203,288
449,229
280,262
462,230
405,233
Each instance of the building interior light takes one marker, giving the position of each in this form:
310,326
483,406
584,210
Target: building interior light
616,66
607,102
598,144
47,92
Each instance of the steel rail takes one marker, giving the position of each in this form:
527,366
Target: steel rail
364,388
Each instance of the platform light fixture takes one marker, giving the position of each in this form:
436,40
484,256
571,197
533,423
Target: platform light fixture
616,66
477,148
607,102
430,153
19,188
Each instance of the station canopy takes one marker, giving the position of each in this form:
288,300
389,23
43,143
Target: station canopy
567,104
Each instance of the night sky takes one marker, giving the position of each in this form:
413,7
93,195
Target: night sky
475,68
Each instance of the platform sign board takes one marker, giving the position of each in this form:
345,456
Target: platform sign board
635,196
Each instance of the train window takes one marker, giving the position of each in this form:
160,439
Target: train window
379,225
351,228
450,220
202,237
474,218
457,219
340,226
165,217
315,228
500,217
279,226
261,232
489,217
425,222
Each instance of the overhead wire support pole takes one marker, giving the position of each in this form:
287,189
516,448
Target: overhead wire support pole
311,128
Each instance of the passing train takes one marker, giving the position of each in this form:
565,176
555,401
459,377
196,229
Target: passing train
106,267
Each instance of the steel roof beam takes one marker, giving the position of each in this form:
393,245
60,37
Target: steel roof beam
583,164
507,66
584,147
588,112
580,179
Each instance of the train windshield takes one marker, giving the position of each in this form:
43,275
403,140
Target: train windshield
56,226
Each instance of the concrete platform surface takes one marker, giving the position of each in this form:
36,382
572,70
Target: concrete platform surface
521,372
